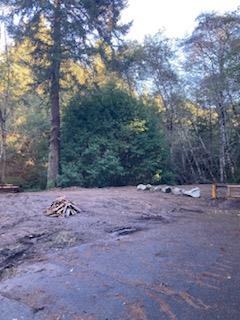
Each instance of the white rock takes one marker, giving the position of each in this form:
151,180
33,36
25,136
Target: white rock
194,193
157,188
177,191
148,186
141,187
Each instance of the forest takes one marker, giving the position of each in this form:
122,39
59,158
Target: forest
82,106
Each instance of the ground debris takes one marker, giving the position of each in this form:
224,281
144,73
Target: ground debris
62,207
194,192
150,217
11,257
123,230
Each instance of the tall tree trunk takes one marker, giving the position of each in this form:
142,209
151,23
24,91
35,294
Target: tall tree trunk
3,113
225,155
54,145
222,141
169,114
3,151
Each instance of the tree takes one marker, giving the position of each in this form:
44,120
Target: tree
157,68
112,138
14,80
4,106
27,142
71,29
128,63
211,52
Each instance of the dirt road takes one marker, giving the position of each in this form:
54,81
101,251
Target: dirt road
129,255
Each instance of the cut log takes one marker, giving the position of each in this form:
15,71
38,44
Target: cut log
167,189
177,191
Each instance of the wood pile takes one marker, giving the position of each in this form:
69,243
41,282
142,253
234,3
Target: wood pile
62,207
9,188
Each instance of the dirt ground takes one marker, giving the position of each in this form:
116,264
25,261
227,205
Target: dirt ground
129,255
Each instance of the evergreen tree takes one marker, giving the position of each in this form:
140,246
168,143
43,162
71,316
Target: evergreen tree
112,138
59,30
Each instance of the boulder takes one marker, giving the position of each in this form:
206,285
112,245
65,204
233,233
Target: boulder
148,186
157,188
141,187
194,193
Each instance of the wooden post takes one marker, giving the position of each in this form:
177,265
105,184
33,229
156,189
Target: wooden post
214,191
228,192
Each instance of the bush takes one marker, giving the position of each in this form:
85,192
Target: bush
111,138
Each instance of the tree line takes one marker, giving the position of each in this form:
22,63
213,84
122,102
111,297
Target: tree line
82,106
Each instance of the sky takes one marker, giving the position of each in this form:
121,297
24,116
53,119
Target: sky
176,17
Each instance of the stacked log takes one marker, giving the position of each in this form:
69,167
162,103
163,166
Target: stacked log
9,188
62,207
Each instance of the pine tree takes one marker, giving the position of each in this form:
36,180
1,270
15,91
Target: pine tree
71,30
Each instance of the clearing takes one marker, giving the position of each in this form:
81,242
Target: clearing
129,255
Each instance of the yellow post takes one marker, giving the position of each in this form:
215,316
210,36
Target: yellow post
214,191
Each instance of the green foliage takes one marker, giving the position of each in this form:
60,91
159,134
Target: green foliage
60,31
27,143
111,138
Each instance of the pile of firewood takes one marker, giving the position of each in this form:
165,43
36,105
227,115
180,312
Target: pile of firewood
62,207
9,188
